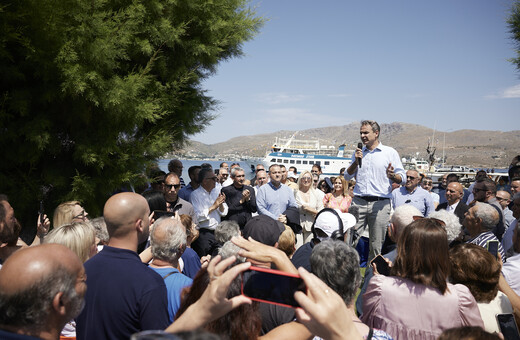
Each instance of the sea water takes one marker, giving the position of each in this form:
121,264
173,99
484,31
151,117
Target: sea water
187,163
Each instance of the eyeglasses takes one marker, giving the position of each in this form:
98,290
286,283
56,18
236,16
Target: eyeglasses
81,216
306,178
170,186
427,183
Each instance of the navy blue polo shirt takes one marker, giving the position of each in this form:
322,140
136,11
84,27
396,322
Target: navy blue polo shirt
123,297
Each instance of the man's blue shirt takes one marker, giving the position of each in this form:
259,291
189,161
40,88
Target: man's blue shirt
174,285
419,198
273,201
371,178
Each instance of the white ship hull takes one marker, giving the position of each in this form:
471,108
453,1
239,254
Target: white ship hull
330,166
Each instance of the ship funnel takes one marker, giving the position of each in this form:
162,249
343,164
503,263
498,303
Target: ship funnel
341,150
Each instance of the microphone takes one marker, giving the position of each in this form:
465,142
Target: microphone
360,146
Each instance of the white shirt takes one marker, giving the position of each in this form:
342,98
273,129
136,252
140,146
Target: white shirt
511,271
371,178
202,201
451,208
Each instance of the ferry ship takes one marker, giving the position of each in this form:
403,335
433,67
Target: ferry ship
303,154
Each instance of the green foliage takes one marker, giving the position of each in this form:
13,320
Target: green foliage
93,91
514,26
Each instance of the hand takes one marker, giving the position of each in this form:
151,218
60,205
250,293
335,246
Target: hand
282,218
359,154
246,196
390,171
220,199
42,229
259,253
213,303
323,311
204,261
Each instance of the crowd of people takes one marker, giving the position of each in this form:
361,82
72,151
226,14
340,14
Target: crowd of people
169,262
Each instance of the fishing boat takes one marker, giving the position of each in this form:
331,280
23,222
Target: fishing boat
303,154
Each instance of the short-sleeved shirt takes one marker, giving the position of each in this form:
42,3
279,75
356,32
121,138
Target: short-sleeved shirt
123,297
175,283
419,198
191,263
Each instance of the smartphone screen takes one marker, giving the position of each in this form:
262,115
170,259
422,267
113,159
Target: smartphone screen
508,327
382,266
272,286
492,247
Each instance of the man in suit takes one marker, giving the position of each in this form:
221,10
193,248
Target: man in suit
454,194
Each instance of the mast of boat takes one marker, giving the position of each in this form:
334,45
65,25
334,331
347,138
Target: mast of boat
286,146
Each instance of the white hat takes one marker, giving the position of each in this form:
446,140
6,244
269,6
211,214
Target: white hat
328,222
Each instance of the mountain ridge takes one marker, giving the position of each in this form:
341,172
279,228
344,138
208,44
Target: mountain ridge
474,148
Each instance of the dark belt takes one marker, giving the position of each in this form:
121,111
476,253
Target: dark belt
373,198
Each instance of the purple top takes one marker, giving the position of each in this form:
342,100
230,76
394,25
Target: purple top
408,310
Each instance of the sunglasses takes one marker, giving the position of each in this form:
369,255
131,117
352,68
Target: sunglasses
170,186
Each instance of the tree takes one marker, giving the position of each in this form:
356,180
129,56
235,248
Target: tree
93,91
514,26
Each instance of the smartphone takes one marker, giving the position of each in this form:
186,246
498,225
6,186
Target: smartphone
382,266
41,212
492,247
272,286
160,213
508,327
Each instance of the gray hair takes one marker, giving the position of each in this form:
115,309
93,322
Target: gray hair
225,230
403,216
337,264
101,228
453,226
488,214
230,249
235,169
373,124
29,309
171,247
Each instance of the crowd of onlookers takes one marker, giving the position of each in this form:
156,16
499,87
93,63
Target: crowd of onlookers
167,262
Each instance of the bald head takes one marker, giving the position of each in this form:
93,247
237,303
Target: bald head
124,212
34,283
30,265
504,198
454,192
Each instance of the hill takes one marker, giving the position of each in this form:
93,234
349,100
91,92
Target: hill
474,148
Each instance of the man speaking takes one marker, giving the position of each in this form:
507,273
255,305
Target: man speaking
381,166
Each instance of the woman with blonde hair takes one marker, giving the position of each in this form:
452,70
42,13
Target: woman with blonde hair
309,204
339,197
80,237
68,212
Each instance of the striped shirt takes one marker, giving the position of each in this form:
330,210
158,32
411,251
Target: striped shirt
482,240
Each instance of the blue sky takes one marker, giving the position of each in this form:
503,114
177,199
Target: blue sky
442,64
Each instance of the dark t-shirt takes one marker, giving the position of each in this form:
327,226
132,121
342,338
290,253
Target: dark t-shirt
5,335
123,297
302,256
191,262
274,316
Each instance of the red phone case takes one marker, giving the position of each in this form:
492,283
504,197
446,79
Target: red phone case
270,271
